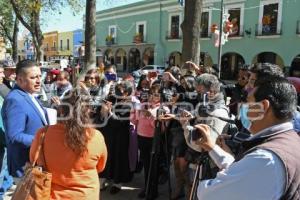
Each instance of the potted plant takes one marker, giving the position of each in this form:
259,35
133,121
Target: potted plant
138,38
109,40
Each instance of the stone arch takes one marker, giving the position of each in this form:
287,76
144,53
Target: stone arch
269,57
109,56
121,60
134,59
148,56
295,67
175,58
230,64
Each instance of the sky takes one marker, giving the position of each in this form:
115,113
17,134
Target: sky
68,22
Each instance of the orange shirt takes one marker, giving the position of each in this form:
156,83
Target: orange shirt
73,177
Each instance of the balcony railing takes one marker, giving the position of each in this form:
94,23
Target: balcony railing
64,49
110,42
173,35
267,30
298,27
53,48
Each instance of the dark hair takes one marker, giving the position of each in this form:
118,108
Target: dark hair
190,82
209,81
281,94
75,135
263,70
123,87
90,73
23,65
142,78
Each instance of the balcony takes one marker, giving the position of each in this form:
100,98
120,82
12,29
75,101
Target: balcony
298,27
138,38
64,49
110,41
53,49
173,35
267,30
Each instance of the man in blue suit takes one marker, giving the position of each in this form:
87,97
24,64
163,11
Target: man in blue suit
22,115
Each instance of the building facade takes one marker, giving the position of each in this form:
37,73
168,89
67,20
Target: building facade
148,32
65,44
77,43
50,45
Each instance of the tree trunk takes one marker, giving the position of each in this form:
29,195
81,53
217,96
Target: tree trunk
15,41
90,35
191,31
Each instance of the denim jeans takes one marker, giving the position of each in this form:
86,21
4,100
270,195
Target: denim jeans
6,181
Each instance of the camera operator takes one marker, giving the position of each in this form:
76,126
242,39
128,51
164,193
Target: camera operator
116,134
269,164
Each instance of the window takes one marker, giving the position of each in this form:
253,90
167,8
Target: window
61,45
270,19
68,44
236,17
54,46
270,15
141,29
175,26
112,31
204,24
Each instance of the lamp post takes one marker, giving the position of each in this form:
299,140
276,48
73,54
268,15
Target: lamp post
220,40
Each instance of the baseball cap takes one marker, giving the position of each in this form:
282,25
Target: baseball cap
9,64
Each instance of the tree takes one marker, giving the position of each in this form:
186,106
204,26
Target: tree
29,14
9,27
191,31
90,34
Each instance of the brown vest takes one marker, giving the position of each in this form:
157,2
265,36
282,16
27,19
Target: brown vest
286,145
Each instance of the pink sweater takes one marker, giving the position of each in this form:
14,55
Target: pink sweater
145,124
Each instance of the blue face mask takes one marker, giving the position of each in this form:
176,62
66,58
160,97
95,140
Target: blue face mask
244,116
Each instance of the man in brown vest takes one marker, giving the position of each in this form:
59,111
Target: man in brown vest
269,164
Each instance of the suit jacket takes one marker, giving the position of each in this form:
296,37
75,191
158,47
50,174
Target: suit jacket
21,120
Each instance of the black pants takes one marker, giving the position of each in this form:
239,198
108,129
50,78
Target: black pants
145,147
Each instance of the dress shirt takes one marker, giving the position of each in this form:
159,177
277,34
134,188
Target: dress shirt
260,175
38,106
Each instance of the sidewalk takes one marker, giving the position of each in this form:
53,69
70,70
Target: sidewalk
130,191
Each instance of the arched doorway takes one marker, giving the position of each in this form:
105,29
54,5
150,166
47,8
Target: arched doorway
109,57
206,60
295,67
148,56
230,65
121,60
175,59
268,57
134,60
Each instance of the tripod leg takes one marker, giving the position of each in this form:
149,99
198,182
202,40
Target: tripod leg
168,166
195,182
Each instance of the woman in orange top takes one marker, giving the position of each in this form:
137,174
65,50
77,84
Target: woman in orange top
74,154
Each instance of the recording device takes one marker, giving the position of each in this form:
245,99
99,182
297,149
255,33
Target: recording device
111,76
194,134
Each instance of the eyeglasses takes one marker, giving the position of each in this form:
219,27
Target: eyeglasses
91,78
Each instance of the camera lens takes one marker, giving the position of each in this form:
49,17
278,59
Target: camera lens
196,135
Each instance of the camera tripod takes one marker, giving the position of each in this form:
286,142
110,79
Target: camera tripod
202,163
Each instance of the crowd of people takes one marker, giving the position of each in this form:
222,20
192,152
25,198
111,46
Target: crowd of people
244,135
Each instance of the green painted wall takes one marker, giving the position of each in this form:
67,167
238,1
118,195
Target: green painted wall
287,45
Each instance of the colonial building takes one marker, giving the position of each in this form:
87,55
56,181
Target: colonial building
148,32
